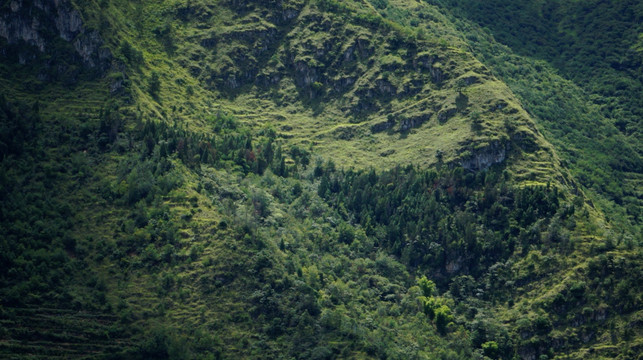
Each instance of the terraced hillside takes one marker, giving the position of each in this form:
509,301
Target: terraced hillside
41,333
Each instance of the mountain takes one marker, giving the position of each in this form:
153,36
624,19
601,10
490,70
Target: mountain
320,179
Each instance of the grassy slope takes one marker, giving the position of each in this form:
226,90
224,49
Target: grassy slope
308,58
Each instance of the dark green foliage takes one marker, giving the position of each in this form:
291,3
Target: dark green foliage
442,318
590,42
110,125
346,233
431,220
596,45
35,225
154,85
132,55
18,124
229,146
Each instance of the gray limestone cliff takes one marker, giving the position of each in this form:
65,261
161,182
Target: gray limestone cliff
484,156
43,23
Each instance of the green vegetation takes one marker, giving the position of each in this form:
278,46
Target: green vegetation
315,179
582,86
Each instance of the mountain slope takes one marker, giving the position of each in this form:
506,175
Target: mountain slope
577,71
291,179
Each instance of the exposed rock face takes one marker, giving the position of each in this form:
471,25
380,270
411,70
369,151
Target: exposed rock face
90,48
306,75
445,114
383,126
39,23
385,88
482,158
424,61
413,122
469,80
342,84
14,27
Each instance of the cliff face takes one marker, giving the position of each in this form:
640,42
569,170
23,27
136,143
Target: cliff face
43,24
484,157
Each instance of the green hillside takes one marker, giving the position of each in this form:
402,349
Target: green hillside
576,67
319,179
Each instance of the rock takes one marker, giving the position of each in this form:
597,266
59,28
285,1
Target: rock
527,353
241,5
267,79
499,105
37,23
454,266
306,75
600,314
445,114
469,80
364,48
437,75
90,48
348,54
68,21
587,337
289,14
209,43
388,152
525,141
259,39
413,122
383,126
424,61
385,88
343,83
116,85
231,81
482,158
17,27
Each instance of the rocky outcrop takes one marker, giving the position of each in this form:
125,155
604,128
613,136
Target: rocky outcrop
385,88
306,75
344,83
470,80
437,75
41,23
409,123
428,62
383,126
91,50
209,42
445,114
424,61
485,156
525,141
15,26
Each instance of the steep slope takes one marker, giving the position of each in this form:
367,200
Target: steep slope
247,179
577,69
596,44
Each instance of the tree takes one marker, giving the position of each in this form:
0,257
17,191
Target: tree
346,233
427,286
154,85
490,349
443,317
